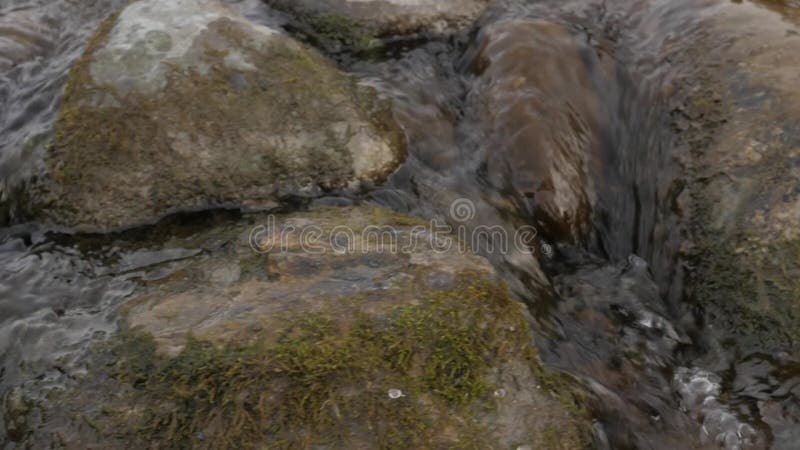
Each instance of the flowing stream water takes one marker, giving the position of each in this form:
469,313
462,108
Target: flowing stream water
612,310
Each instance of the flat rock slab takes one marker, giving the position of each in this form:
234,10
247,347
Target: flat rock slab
185,105
301,264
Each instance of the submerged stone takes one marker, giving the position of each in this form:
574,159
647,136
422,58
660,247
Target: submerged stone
539,102
185,105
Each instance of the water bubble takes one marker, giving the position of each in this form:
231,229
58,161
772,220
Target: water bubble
547,250
395,394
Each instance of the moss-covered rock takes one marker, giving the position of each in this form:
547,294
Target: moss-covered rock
744,152
184,105
367,348
738,130
358,25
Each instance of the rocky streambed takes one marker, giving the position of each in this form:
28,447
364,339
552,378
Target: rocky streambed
399,224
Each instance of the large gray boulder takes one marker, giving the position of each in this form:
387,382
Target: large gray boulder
184,105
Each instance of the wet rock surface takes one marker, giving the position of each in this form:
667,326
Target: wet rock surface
747,171
357,24
744,145
540,96
365,348
299,263
43,40
186,105
663,278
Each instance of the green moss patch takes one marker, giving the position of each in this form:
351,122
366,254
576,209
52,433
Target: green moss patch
749,291
330,28
334,32
324,382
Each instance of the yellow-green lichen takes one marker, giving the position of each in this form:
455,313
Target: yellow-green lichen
331,31
325,382
749,292
383,216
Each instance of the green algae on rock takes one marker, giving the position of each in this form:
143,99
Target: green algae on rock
357,25
738,126
370,349
185,105
324,382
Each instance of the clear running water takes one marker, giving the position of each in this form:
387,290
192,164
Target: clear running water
610,302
